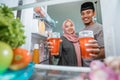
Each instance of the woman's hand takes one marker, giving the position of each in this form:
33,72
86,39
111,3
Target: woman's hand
95,50
49,44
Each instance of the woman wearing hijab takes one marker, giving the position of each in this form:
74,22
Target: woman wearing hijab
70,48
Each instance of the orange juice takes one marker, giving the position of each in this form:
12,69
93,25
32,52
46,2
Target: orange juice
41,27
35,57
55,43
83,41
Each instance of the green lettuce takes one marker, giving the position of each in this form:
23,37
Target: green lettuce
11,28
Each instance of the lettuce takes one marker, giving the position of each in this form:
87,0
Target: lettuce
11,29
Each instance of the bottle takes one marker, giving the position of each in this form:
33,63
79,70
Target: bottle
42,57
41,27
35,57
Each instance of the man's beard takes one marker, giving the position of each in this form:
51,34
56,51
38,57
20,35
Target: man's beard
87,23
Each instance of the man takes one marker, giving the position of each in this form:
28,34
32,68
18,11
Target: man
87,13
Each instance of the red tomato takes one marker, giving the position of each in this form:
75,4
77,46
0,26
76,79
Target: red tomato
21,59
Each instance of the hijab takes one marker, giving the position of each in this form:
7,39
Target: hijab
74,39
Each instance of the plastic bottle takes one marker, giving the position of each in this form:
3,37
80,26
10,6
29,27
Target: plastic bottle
41,27
35,57
42,52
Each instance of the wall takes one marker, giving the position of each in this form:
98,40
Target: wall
61,12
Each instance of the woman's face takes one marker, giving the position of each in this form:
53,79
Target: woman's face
87,15
69,27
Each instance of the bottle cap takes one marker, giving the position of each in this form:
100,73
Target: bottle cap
36,46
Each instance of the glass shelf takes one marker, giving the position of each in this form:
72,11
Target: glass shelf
39,36
52,72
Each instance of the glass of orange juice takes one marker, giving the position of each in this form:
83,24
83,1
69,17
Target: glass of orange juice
54,39
84,37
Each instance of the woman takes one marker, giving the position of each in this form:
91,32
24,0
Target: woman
69,50
70,54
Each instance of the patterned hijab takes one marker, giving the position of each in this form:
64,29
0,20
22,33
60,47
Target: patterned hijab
74,39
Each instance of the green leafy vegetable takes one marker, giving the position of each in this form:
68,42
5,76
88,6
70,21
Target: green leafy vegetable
11,29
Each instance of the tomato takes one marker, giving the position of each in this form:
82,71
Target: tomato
6,56
21,59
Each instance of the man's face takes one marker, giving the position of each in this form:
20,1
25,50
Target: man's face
87,15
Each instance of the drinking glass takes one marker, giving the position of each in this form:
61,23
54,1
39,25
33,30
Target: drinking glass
84,37
54,39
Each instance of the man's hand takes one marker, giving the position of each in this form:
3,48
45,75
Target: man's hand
96,51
